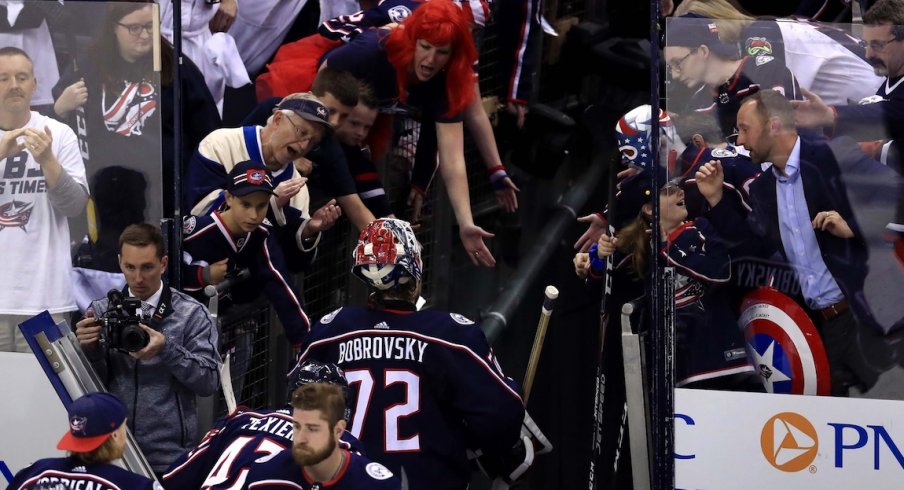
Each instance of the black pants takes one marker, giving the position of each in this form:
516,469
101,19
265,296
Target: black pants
857,354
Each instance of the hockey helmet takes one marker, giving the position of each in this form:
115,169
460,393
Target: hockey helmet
312,371
633,134
387,254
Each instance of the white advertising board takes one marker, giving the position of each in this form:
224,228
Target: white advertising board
751,440
33,416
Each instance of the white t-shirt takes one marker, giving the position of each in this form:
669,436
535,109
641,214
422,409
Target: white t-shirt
34,237
825,67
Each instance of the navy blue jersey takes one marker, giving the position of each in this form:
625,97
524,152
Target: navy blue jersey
224,457
346,27
357,473
739,172
73,473
207,240
752,75
878,117
425,386
365,58
708,341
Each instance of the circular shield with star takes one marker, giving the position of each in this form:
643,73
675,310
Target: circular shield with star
783,344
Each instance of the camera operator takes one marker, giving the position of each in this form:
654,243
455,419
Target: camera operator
157,375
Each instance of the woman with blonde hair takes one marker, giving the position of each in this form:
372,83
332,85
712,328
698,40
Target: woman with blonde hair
826,61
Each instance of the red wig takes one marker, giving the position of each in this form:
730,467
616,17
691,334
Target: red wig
439,22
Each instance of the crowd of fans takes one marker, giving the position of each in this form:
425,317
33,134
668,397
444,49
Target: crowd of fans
744,93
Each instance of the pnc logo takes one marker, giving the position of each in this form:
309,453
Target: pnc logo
789,442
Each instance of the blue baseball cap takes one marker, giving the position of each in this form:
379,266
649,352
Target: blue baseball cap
92,419
307,106
249,176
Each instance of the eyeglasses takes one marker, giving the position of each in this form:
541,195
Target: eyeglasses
876,45
302,136
675,66
135,29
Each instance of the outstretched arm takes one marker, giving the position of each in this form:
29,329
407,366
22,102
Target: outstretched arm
452,167
482,131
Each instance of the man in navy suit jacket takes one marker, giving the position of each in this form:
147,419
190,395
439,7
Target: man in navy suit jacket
802,211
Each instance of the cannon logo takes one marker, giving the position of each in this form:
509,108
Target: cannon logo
789,442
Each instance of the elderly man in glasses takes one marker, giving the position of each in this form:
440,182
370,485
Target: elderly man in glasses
876,121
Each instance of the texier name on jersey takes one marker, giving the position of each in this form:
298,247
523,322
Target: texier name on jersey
397,348
277,426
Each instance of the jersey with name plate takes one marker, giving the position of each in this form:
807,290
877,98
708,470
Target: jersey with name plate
425,386
224,457
73,473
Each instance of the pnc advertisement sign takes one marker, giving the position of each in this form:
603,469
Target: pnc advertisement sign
787,441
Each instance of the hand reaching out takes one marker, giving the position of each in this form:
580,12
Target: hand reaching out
286,190
507,195
323,219
595,229
472,238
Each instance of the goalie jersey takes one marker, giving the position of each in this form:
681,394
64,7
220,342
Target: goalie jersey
424,385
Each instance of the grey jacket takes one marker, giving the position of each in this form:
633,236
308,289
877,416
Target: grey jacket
160,392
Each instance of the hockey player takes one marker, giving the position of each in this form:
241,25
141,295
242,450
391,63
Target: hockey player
317,460
426,383
96,438
224,457
219,243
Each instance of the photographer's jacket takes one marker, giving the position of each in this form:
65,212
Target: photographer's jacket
160,392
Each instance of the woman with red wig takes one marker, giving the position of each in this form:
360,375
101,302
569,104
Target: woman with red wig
427,63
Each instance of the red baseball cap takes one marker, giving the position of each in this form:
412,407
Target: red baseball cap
92,419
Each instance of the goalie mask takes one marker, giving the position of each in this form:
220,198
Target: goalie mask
387,254
633,134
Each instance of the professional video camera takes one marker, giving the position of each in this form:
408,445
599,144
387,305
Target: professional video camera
120,323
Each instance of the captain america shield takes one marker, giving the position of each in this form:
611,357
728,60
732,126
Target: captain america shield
783,344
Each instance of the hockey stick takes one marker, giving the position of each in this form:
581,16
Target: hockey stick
212,292
545,312
600,388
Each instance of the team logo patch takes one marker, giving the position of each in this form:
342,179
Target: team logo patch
398,13
461,319
77,424
756,46
240,243
15,214
783,344
723,153
321,112
255,177
763,59
789,442
189,224
872,99
329,316
378,471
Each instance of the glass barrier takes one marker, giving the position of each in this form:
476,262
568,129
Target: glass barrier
784,206
98,83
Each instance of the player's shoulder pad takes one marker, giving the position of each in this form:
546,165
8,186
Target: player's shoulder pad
377,471
461,319
330,316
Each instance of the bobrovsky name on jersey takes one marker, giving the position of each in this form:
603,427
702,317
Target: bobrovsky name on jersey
790,442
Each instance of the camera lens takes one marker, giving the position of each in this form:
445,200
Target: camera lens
133,338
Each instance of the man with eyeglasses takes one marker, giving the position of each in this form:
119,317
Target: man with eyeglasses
298,124
878,119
